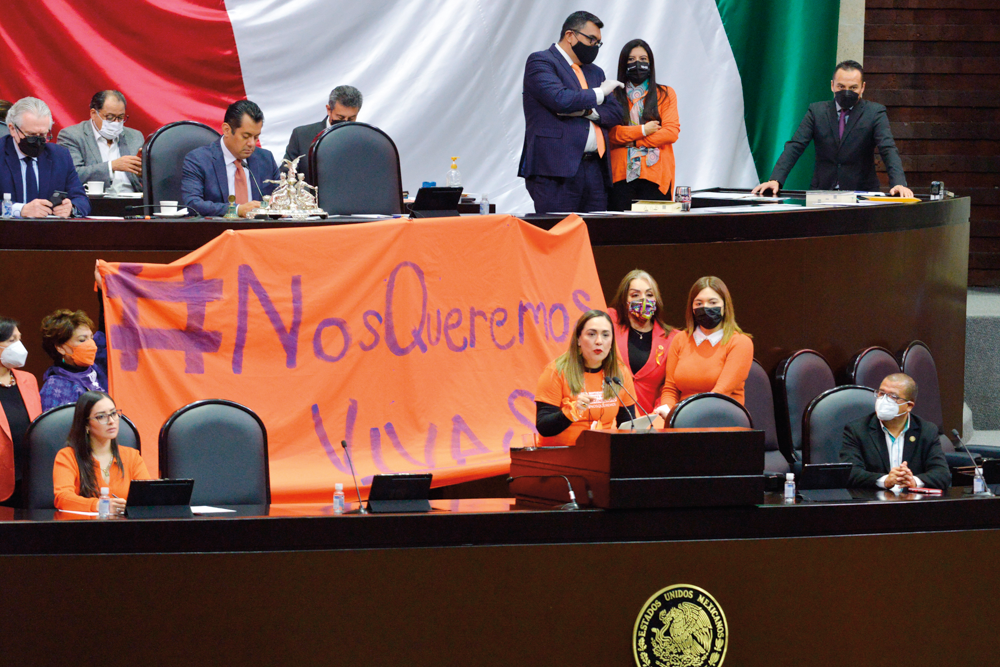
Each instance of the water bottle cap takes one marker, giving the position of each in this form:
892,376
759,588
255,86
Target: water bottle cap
789,477
979,472
338,487
6,195
105,490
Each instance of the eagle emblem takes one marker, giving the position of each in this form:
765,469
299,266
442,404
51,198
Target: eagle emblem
681,626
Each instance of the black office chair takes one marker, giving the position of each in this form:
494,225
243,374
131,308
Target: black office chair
45,436
222,445
759,402
827,415
870,366
163,159
4,131
355,168
709,411
797,381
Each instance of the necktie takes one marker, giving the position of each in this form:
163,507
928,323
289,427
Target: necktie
240,184
30,182
597,131
843,121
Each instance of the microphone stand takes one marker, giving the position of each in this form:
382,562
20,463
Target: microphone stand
361,506
631,413
618,381
572,504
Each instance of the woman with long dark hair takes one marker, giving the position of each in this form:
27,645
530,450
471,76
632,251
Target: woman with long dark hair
92,458
19,404
572,394
642,147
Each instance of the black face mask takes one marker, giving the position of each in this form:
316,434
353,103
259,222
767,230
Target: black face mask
708,318
846,98
31,146
586,54
637,72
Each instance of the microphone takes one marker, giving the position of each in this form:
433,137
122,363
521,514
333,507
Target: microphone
572,504
361,506
977,480
618,381
631,413
246,165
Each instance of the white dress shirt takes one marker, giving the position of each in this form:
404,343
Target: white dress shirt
231,171
895,445
119,179
714,338
591,146
24,182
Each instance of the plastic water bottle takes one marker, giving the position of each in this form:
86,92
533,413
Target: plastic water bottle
104,504
338,499
484,204
8,206
979,482
454,179
790,487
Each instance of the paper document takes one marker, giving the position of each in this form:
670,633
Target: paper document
207,509
80,513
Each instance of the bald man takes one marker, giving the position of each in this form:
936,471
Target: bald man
892,448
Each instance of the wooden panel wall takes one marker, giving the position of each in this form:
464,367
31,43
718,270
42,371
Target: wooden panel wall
936,65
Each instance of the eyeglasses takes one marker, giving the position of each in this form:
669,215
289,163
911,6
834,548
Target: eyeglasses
593,40
898,399
47,135
108,417
114,119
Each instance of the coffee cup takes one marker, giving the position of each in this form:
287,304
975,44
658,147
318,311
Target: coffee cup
168,207
94,187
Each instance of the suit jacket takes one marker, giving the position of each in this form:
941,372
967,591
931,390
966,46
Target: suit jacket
79,140
851,160
55,172
299,142
553,144
28,387
205,186
865,449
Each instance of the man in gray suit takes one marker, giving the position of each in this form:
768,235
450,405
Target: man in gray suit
344,106
103,149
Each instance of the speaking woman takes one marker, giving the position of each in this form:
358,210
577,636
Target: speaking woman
572,395
21,403
712,354
92,458
642,147
643,337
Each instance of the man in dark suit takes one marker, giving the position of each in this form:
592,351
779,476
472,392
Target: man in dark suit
231,166
893,448
103,149
846,131
33,169
568,109
344,106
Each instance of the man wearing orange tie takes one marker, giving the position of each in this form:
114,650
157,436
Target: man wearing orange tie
234,165
568,109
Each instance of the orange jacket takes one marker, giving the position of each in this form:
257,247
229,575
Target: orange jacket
695,369
670,128
66,479
28,386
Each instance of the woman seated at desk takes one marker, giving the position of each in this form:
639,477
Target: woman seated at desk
92,458
643,337
572,394
712,354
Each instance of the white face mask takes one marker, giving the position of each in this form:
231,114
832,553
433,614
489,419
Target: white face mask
14,355
111,131
886,409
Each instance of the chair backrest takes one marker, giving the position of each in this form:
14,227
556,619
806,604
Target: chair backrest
355,168
163,158
222,445
759,402
798,380
918,363
45,436
870,366
825,419
709,411
3,129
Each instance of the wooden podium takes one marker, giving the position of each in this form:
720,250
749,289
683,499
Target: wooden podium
634,470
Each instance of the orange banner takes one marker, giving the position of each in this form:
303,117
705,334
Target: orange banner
419,342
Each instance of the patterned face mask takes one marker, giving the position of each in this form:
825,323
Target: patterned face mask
643,308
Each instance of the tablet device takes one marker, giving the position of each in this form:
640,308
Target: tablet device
400,492
159,498
436,202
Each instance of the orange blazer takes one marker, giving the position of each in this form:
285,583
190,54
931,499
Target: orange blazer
66,479
28,386
670,128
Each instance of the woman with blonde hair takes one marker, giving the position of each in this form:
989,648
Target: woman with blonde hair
577,390
712,354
